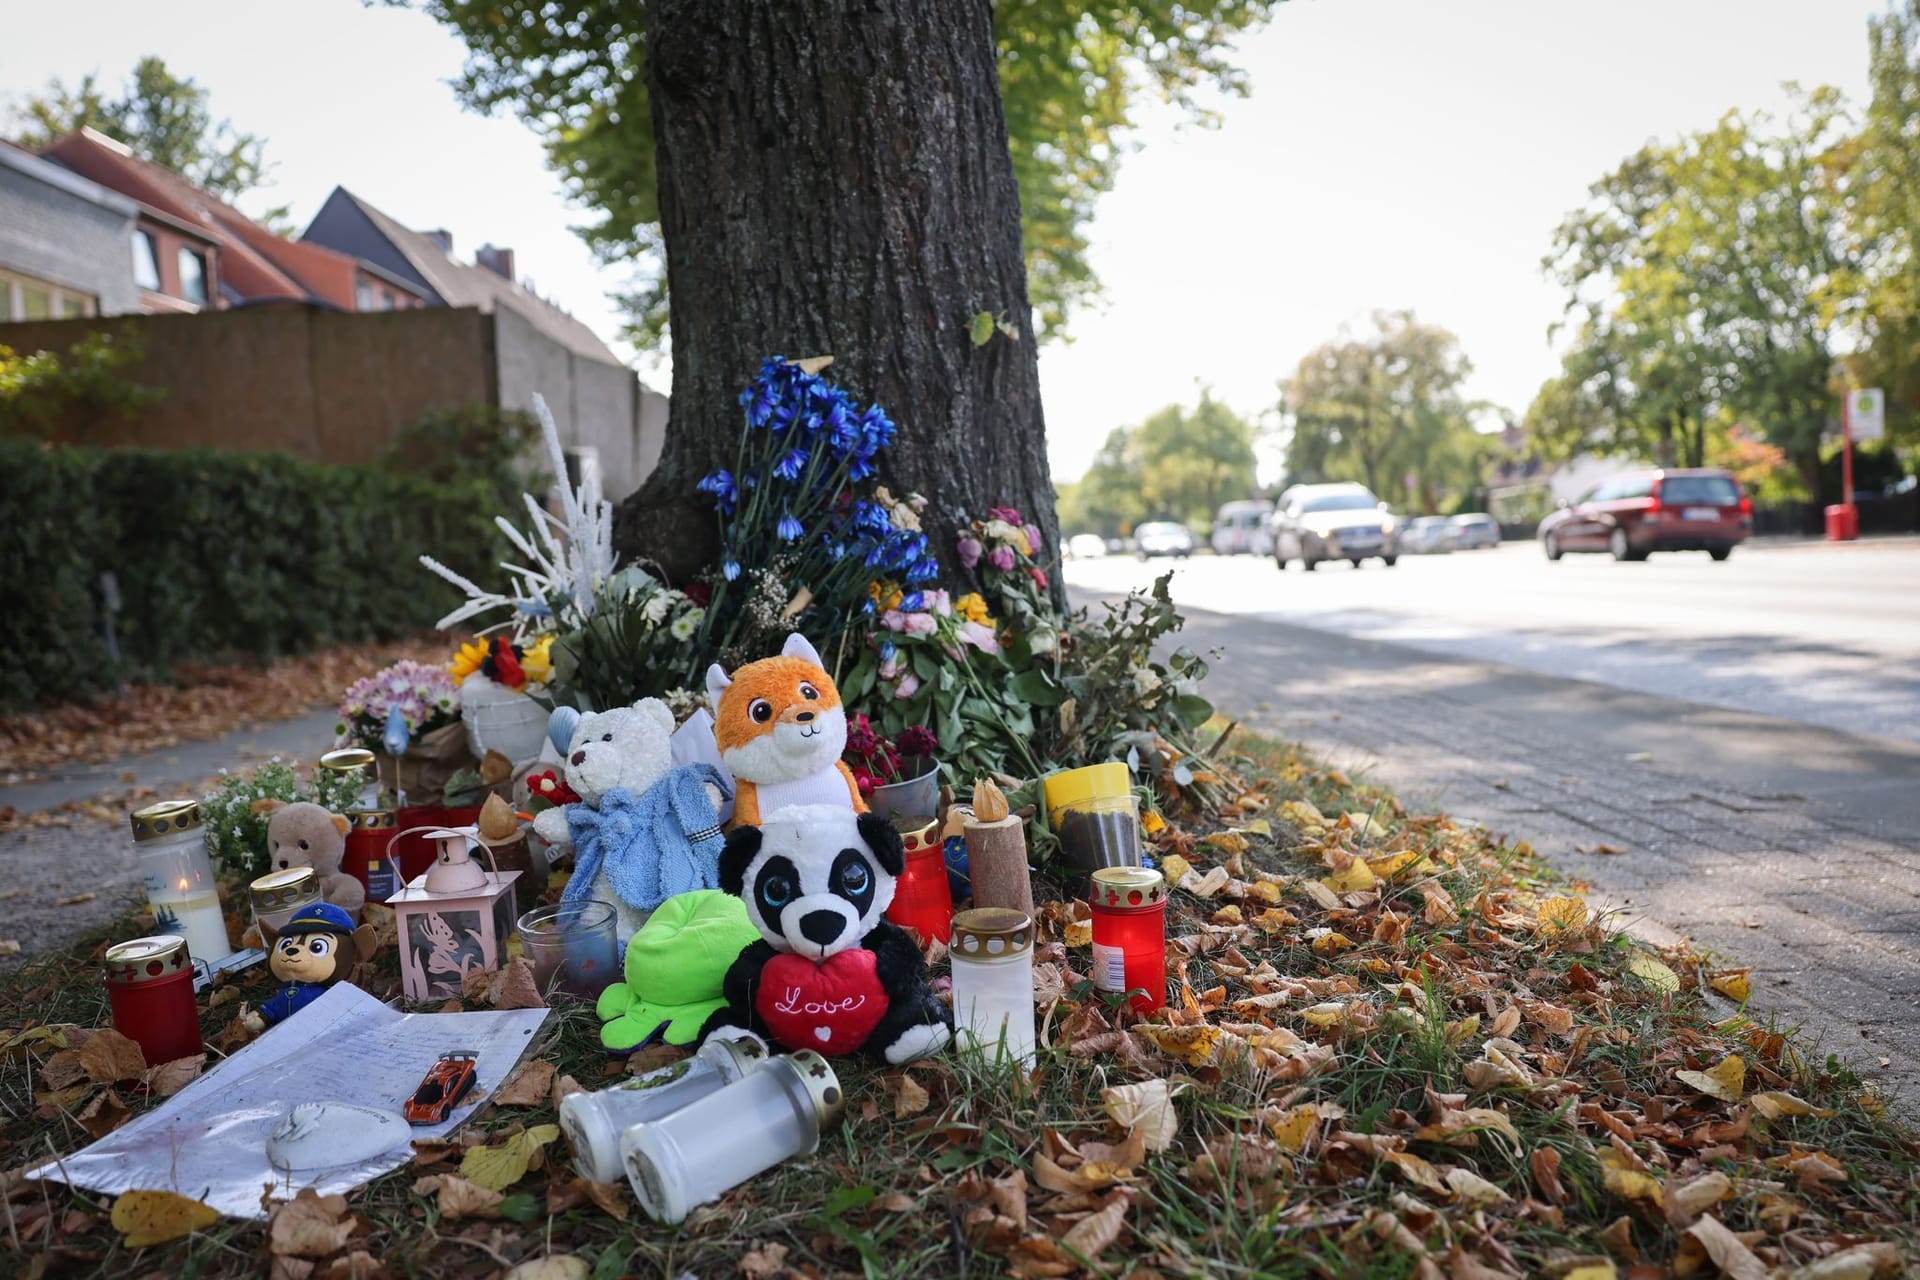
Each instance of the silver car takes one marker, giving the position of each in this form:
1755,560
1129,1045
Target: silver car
1475,530
1316,522
1427,536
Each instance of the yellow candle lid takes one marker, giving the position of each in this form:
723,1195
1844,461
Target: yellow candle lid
1094,782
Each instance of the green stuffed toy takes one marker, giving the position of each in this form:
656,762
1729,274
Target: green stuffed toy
675,966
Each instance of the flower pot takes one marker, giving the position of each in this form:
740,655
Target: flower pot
917,797
498,719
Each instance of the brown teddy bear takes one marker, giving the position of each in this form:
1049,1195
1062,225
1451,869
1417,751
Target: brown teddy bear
306,835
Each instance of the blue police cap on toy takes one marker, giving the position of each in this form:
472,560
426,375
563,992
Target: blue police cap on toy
314,918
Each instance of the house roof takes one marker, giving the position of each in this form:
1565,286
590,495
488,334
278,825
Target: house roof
462,284
255,264
21,160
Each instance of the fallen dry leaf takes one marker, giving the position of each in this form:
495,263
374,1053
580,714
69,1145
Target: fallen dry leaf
155,1217
495,1168
909,1097
1194,1045
1709,1238
74,900
103,1115
1689,1200
1418,1171
1145,1107
1623,1180
1473,1189
1094,1234
458,1198
1558,915
530,1085
109,1056
1734,984
763,1263
310,1225
170,1078
1774,1103
1727,1081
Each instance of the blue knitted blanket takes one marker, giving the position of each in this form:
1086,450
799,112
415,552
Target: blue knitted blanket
651,846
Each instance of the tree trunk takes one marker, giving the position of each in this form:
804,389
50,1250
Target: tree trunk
834,179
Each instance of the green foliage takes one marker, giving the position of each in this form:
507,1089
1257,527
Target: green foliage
1383,406
237,836
1180,464
215,554
1884,175
1712,275
639,643
1111,685
1072,75
46,391
162,117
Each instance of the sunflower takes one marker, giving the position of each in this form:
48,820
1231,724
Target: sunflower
468,659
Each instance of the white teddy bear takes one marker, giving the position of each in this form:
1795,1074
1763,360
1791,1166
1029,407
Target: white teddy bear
636,842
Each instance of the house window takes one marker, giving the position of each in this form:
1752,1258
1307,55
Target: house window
24,298
146,262
35,303
73,305
363,296
193,276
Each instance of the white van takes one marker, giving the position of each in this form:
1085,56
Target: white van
1243,529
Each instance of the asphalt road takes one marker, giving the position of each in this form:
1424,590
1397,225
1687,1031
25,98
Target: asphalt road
1747,734
1824,635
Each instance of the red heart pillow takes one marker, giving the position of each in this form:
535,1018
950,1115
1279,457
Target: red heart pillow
829,1006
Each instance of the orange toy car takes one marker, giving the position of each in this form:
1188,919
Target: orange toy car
445,1084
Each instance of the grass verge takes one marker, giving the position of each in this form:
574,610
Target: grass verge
1394,1047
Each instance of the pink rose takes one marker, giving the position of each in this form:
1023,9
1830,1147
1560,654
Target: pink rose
921,624
970,550
1033,539
909,685
1001,558
892,667
894,620
980,637
938,602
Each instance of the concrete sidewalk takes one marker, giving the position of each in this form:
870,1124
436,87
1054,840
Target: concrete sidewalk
47,864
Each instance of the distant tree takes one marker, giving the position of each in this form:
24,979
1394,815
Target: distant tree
1885,181
1180,464
1705,278
1071,75
1381,406
161,117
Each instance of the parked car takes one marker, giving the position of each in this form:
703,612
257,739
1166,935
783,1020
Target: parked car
1475,530
1427,536
1640,512
1243,529
1086,546
1318,522
1163,538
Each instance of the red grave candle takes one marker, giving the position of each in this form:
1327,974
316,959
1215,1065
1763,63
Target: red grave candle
922,899
150,986
1130,933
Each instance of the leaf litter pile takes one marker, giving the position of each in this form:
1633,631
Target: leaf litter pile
1393,1047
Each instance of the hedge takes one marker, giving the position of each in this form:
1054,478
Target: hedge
217,554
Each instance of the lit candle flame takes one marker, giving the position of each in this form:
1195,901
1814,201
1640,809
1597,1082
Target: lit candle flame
183,884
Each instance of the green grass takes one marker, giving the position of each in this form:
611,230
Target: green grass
904,1196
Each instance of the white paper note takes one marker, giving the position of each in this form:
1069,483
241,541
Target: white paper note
209,1140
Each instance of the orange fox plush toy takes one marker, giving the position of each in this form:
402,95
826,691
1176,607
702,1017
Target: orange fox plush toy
781,729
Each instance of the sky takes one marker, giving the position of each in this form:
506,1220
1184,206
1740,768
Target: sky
1392,154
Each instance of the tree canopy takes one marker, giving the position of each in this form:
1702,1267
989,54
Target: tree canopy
1180,464
1073,76
1707,282
1383,407
163,117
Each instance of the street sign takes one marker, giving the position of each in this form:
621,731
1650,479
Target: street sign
1867,413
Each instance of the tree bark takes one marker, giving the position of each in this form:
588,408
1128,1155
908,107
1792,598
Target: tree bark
834,179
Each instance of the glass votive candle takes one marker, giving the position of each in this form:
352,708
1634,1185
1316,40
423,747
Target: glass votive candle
277,895
593,1122
360,767
922,899
572,947
710,1146
367,858
992,954
150,989
1130,933
171,847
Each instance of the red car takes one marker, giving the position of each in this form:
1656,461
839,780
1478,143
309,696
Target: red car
1640,512
446,1083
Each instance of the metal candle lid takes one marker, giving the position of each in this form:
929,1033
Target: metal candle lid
374,819
991,933
822,1086
745,1051
347,760
147,959
917,833
296,886
1127,888
169,817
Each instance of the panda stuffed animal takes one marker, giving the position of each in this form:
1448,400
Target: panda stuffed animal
830,972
